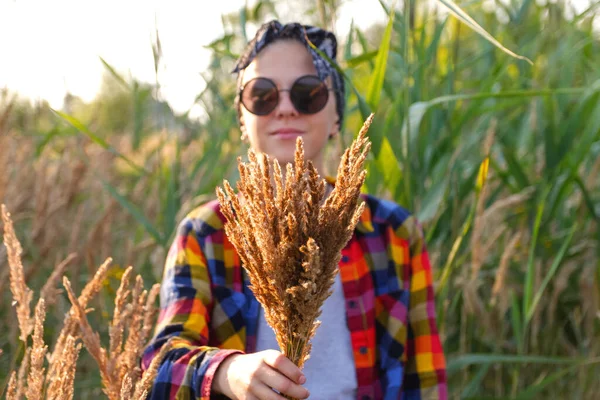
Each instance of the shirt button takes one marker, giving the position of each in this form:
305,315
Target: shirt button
363,350
352,304
345,259
365,397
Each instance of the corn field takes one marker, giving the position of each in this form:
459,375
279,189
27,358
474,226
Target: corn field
497,154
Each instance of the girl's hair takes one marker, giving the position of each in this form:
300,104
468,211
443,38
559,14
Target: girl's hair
321,44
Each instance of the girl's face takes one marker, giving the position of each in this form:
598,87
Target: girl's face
275,134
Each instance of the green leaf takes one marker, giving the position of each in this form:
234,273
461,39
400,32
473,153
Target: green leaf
418,109
385,7
140,99
514,167
378,75
365,111
530,272
348,46
173,201
447,269
96,139
135,212
363,43
532,391
115,74
588,200
243,20
363,107
388,165
457,364
432,49
555,264
517,321
39,148
471,23
561,191
389,130
475,382
358,60
584,120
432,201
550,145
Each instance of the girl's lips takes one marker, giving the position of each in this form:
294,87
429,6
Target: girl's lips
287,133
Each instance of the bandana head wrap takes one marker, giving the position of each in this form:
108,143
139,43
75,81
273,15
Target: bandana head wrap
323,40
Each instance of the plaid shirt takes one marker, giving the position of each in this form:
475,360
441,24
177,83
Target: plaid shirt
387,282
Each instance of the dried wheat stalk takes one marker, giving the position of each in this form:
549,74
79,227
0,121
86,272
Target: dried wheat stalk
61,386
35,382
20,383
91,340
133,319
11,391
70,325
289,236
144,385
49,292
22,295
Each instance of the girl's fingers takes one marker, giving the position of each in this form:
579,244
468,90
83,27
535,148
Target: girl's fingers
281,383
281,363
260,391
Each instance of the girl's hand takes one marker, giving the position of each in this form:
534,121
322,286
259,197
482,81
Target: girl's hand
254,376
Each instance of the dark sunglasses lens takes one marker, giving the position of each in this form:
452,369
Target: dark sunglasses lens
309,95
260,96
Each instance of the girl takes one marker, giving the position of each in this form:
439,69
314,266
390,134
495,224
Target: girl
378,338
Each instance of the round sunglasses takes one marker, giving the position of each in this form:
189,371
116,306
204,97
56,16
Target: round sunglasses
308,94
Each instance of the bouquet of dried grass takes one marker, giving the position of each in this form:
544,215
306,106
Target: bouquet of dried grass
289,235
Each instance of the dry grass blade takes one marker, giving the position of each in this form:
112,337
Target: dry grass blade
126,387
35,383
70,323
143,386
132,349
507,202
91,340
11,391
61,387
149,314
49,291
502,272
121,317
289,235
4,272
22,295
23,369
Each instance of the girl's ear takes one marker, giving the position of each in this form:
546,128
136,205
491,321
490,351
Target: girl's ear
241,121
335,130
244,136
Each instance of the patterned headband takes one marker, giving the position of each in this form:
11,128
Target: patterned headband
323,40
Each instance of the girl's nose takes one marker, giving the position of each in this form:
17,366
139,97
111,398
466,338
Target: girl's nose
285,108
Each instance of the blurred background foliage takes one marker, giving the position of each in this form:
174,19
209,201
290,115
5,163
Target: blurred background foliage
499,159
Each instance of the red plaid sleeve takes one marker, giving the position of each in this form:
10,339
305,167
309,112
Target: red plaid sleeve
425,366
188,370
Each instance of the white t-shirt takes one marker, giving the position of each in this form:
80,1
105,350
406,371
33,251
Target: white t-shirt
330,372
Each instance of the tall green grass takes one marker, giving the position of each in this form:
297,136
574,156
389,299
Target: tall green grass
496,156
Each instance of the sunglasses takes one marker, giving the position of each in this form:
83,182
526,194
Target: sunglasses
308,94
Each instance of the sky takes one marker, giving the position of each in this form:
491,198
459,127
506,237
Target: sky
49,47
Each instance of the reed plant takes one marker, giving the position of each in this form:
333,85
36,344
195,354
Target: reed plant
51,375
498,158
